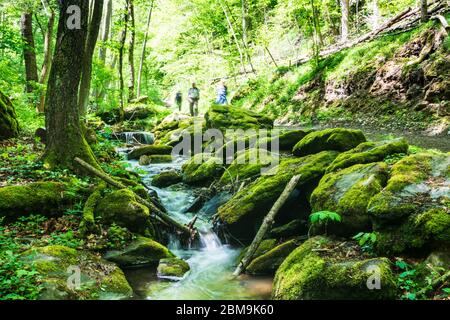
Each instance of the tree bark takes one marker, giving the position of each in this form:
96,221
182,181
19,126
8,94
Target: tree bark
144,47
131,95
46,65
122,40
65,139
345,16
105,31
424,10
266,225
375,15
29,52
89,47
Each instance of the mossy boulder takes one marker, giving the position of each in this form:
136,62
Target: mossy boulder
265,246
412,212
58,265
135,111
141,252
323,269
121,208
172,268
226,117
166,179
348,192
249,164
176,126
268,263
155,159
9,126
369,152
286,139
44,198
202,169
243,214
330,139
149,151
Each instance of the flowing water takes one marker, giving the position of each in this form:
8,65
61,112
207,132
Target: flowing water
211,264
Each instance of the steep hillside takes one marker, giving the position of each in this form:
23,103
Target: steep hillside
397,81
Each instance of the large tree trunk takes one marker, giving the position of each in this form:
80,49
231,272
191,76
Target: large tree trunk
122,40
65,139
345,4
131,51
91,41
424,10
29,52
144,47
46,65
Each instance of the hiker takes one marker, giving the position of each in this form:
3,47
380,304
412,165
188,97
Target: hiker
193,97
222,92
179,100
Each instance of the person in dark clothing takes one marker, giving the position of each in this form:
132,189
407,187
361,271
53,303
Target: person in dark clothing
193,98
179,100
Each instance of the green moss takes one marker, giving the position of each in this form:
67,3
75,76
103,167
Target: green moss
9,126
330,139
142,251
166,179
115,285
369,152
247,165
226,117
293,228
265,246
44,198
268,263
121,208
249,206
172,267
202,169
308,274
348,192
149,151
147,160
87,224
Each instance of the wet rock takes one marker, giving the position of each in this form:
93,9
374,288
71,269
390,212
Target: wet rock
150,150
9,126
141,252
202,169
166,179
242,215
268,263
45,198
330,139
322,268
295,227
172,268
412,212
369,152
99,279
348,192
153,159
121,208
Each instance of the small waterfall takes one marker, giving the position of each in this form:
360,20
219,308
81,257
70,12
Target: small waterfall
210,241
136,137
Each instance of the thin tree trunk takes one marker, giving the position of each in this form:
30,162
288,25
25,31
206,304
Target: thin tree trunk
245,23
266,225
91,41
144,47
65,139
236,41
424,10
123,38
46,65
29,51
375,15
131,95
105,31
345,16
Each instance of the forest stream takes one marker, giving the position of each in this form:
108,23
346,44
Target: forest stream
211,263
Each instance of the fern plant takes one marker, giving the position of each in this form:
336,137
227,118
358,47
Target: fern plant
323,218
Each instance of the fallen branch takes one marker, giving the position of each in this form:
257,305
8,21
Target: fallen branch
266,225
443,22
435,283
109,180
